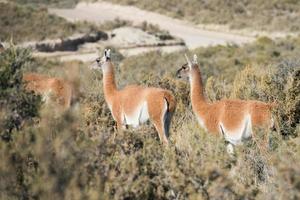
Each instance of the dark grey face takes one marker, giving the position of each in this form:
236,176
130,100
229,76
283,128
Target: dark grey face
183,72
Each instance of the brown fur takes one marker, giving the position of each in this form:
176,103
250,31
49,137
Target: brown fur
125,101
231,113
59,89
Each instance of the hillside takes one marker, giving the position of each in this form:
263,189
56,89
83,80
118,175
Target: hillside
27,23
277,15
50,3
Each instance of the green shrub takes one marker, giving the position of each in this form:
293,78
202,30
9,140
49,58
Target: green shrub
48,161
76,156
17,105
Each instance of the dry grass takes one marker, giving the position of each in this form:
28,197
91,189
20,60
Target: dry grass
275,15
49,3
23,23
74,156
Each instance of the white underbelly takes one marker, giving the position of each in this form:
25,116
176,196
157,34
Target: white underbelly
201,122
236,136
140,115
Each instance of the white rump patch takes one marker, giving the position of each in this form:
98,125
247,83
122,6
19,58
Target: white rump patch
235,137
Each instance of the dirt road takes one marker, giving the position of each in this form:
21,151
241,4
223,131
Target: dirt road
193,36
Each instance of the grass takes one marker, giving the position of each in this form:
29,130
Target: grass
274,15
51,3
26,23
74,156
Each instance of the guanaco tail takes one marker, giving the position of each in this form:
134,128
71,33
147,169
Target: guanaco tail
58,90
234,119
135,104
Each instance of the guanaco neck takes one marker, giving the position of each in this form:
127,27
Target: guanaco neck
198,99
109,84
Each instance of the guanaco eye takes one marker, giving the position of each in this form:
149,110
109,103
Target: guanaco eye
97,60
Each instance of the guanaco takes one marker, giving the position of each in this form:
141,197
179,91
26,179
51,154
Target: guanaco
58,90
135,104
234,119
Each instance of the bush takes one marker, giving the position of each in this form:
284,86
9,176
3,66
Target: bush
278,84
49,161
17,105
76,156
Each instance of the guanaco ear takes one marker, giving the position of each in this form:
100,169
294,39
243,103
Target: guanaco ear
188,61
108,54
195,59
105,52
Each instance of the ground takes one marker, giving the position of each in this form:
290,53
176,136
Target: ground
74,155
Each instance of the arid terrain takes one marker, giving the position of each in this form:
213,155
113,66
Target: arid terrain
246,50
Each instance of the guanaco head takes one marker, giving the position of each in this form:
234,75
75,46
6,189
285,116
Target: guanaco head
102,62
185,71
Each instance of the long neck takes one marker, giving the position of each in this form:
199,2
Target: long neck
109,84
197,90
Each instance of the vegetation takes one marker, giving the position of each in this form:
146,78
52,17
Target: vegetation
51,3
75,156
270,64
26,23
274,15
17,106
